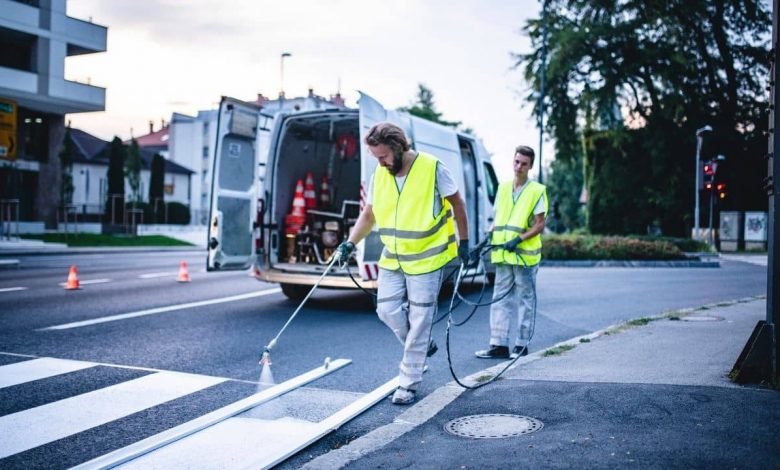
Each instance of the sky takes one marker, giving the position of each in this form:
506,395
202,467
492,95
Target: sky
168,56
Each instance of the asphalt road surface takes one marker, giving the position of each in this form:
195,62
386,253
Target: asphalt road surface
133,323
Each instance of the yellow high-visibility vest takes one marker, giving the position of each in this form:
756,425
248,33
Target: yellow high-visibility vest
416,240
512,219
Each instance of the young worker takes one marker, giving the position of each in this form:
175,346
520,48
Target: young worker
521,205
412,198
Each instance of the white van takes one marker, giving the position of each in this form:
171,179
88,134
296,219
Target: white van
259,159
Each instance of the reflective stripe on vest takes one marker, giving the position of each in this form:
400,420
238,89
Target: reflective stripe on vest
415,239
514,218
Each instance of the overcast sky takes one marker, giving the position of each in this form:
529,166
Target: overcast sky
169,56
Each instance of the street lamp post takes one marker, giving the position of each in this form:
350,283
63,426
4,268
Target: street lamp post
710,235
699,139
281,78
541,85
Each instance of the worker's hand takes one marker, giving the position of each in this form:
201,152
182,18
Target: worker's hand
463,253
344,251
511,245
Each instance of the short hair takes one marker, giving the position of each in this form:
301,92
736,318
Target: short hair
388,134
526,151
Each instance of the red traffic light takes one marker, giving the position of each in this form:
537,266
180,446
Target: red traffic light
709,169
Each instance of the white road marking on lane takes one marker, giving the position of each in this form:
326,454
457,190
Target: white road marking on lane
154,275
90,281
12,289
27,371
154,311
47,423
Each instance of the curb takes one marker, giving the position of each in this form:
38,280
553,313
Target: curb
630,264
96,250
429,406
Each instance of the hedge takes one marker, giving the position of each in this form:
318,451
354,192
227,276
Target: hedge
594,247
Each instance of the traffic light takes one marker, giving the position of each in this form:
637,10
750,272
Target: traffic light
708,169
721,189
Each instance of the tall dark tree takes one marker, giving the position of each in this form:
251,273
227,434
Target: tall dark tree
669,67
115,197
133,167
67,154
157,186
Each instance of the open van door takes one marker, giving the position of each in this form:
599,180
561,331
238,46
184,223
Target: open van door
234,187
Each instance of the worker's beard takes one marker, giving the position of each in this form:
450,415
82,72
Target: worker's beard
398,162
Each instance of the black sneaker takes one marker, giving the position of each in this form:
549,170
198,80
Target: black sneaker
432,348
495,352
518,351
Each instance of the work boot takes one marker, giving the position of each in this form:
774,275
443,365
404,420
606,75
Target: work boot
518,351
432,348
495,352
403,396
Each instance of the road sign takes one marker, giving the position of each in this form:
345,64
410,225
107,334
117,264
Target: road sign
8,142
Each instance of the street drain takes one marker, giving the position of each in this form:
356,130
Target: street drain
492,426
701,318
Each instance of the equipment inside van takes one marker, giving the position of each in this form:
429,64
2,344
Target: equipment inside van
287,188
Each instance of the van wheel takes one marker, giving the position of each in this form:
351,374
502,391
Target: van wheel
295,291
491,279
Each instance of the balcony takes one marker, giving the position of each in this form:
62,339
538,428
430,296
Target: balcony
82,37
63,96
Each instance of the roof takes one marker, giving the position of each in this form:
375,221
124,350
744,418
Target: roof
95,151
158,138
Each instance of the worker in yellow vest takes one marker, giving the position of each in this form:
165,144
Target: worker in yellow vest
412,198
520,209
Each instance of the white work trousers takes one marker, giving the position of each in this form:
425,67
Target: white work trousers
407,304
520,302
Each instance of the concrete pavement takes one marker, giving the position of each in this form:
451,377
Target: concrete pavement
650,393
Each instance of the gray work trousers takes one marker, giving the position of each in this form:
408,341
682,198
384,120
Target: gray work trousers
407,304
520,302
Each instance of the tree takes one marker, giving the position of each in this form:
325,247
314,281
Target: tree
156,185
115,198
133,167
67,154
669,68
425,108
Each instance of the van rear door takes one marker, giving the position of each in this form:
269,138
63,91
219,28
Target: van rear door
234,188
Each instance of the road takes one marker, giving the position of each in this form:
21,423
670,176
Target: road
205,328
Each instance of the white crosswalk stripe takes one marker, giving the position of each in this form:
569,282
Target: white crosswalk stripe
256,429
27,371
43,424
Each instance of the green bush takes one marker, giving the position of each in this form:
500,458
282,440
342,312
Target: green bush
178,213
684,244
594,247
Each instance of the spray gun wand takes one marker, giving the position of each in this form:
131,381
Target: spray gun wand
265,359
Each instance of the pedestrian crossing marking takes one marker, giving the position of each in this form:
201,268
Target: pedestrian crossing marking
36,369
47,423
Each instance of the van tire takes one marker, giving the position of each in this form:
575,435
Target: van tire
491,278
295,291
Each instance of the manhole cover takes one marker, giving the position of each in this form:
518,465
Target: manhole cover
492,426
701,318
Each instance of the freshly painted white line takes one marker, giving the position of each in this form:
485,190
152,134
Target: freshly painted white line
27,371
154,275
47,423
145,446
154,311
12,289
90,281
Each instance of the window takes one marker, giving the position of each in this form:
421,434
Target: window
33,135
491,182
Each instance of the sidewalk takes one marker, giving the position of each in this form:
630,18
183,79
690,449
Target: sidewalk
656,395
27,247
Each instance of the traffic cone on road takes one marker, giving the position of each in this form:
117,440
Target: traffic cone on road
324,193
184,276
309,196
73,279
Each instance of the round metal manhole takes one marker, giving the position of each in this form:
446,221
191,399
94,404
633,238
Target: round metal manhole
701,318
492,426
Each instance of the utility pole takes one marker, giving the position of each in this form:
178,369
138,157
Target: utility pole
542,79
758,360
281,78
699,140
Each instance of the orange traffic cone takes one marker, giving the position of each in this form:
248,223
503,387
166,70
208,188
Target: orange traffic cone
295,220
73,279
184,276
324,193
309,196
